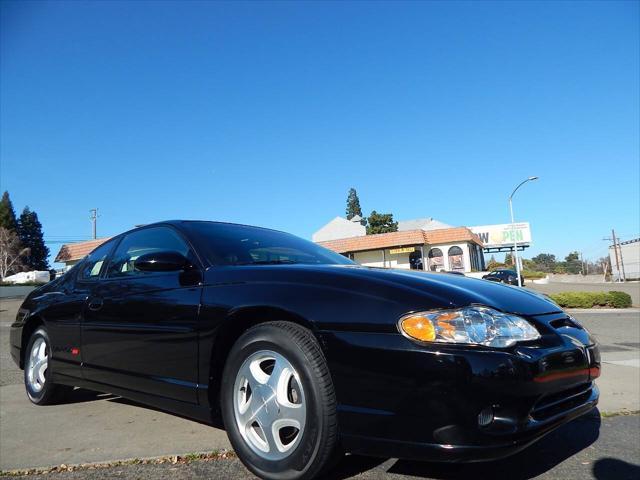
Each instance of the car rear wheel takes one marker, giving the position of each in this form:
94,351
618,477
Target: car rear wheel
278,402
37,371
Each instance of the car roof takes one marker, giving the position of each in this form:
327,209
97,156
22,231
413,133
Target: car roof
180,222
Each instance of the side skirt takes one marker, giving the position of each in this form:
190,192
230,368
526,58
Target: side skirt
183,409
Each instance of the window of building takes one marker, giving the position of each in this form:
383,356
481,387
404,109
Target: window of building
436,260
456,259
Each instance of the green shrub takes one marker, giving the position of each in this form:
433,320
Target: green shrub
532,274
573,299
620,299
491,266
600,299
591,299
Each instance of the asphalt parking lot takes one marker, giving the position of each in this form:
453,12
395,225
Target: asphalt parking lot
102,428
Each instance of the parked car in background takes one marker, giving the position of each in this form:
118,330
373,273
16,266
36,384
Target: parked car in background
504,275
303,353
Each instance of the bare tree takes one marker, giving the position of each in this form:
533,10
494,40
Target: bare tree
10,252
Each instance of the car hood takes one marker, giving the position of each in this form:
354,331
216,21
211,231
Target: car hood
421,289
458,291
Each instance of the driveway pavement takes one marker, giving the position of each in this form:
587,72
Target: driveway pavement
99,427
587,448
618,332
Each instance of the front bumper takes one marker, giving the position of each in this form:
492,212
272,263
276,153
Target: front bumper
15,343
482,449
400,399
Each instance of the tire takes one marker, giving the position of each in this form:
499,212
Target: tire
278,403
37,377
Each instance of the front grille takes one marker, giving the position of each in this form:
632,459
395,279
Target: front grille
557,403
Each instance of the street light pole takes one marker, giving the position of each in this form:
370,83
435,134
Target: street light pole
513,228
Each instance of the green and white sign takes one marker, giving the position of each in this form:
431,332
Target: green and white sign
503,235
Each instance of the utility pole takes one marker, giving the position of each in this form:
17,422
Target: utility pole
94,221
615,249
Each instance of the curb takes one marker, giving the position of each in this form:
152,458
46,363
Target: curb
172,459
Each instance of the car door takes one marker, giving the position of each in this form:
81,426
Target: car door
139,330
63,308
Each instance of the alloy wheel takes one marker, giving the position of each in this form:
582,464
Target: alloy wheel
269,405
37,364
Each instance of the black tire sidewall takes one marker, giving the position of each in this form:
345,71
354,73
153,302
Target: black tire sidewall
300,461
43,396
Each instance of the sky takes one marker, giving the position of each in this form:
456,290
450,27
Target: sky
266,113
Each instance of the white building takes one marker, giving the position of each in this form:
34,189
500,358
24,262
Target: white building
425,224
340,228
627,265
422,244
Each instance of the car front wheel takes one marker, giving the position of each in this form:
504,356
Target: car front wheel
37,371
278,402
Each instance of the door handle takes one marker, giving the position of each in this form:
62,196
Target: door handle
95,304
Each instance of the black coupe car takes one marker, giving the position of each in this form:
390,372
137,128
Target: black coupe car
304,354
504,275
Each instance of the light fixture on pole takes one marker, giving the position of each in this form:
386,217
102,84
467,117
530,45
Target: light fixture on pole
513,228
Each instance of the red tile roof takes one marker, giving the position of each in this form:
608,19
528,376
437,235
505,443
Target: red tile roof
399,239
75,251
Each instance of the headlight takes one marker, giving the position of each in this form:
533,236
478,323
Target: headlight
469,325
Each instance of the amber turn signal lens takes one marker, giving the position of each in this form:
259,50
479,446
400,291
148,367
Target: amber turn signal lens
419,328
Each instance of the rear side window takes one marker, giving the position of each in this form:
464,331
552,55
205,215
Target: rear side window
141,242
92,266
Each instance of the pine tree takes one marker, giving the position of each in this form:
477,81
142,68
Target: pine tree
353,204
381,223
7,213
30,232
508,260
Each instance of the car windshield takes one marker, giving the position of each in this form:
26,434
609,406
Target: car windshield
229,244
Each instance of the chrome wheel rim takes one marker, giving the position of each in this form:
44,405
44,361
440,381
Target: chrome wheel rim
37,364
269,405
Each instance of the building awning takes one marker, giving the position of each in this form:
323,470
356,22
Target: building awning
404,238
71,252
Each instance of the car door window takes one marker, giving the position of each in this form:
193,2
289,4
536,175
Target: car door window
141,242
92,265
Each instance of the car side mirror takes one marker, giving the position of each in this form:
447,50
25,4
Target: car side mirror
167,261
